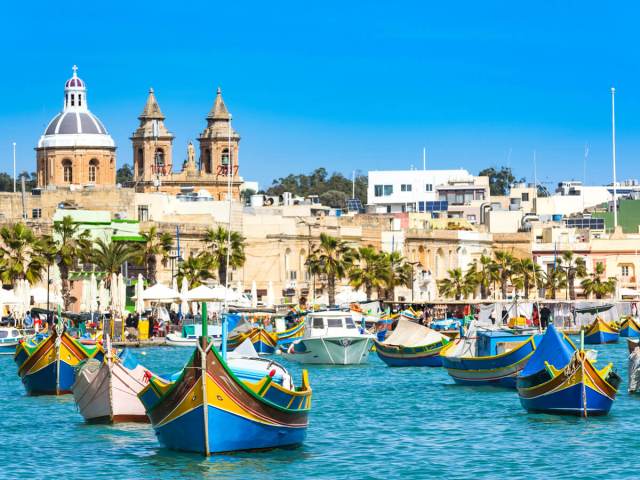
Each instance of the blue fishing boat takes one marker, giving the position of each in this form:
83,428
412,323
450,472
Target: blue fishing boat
600,332
287,336
488,357
209,409
412,345
630,328
560,379
47,366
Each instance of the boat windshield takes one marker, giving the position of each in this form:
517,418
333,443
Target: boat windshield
335,322
318,322
4,334
15,333
349,322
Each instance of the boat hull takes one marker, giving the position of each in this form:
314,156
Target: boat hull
287,337
49,367
600,332
578,389
264,342
498,370
219,413
630,328
109,393
397,356
330,351
8,348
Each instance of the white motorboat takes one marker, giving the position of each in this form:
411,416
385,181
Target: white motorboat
9,339
190,334
333,338
107,391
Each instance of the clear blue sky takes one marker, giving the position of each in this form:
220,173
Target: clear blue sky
344,85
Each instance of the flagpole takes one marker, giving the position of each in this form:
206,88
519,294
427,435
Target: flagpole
613,154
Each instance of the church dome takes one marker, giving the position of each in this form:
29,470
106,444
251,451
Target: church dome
75,126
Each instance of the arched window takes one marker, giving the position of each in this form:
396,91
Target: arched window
207,161
67,171
80,100
93,170
159,158
224,157
140,162
72,99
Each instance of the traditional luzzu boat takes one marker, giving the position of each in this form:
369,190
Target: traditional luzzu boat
412,345
560,379
209,409
47,367
630,328
107,391
263,341
9,339
287,336
599,332
488,357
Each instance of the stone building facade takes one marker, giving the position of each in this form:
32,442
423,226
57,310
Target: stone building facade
75,149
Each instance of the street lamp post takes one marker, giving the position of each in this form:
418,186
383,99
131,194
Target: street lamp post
413,264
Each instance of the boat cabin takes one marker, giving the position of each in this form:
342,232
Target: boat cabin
496,342
330,323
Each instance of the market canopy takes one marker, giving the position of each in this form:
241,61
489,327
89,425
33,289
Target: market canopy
202,293
160,293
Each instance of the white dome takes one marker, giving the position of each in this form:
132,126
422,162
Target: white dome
75,126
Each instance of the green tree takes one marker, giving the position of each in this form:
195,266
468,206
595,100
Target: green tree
595,285
503,263
124,174
457,286
499,180
369,270
527,275
334,199
216,241
400,273
155,245
575,268
332,258
109,257
196,270
70,245
554,280
21,255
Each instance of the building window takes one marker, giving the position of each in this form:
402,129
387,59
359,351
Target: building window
388,208
405,187
428,187
143,213
525,197
93,170
79,100
224,157
36,213
67,171
388,190
140,162
293,275
421,206
624,270
72,99
471,218
206,164
159,158
377,190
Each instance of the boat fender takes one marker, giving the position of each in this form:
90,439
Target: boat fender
272,372
147,376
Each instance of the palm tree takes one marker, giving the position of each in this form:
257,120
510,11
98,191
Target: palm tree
472,278
554,280
20,255
595,285
456,286
575,268
332,258
155,244
369,270
527,275
503,263
216,241
400,273
486,276
70,244
195,269
109,257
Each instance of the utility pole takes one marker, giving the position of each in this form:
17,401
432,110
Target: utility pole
14,167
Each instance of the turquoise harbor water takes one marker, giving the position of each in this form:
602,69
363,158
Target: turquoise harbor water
367,422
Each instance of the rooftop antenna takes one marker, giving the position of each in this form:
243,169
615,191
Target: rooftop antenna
613,155
535,173
584,172
353,184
